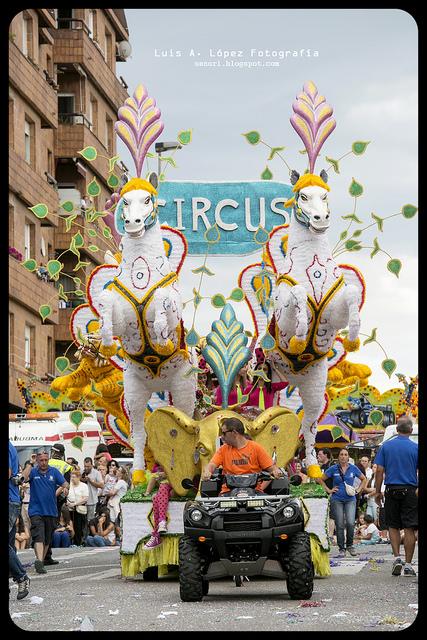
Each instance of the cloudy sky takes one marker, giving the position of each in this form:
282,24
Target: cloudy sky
366,66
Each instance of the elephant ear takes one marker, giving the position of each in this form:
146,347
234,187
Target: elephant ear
277,430
173,437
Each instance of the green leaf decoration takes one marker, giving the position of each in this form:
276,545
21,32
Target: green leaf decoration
68,206
408,210
92,233
353,217
261,236
267,342
394,266
212,235
78,240
61,293
336,432
79,293
266,174
334,164
62,364
197,298
40,210
244,398
89,153
93,188
106,232
353,245
170,161
237,294
359,147
54,268
203,269
31,265
357,233
253,137
45,310
376,417
248,333
69,221
111,163
344,333
377,248
343,235
77,282
207,399
355,188
192,371
389,366
303,151
113,181
81,265
258,373
273,152
150,155
378,220
77,417
218,301
94,389
77,442
192,338
372,337
54,394
184,137
93,248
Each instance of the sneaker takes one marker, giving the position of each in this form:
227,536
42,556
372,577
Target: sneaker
352,551
39,566
152,543
409,571
163,527
50,561
23,588
397,567
341,553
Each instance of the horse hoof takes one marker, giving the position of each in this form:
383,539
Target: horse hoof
297,346
351,345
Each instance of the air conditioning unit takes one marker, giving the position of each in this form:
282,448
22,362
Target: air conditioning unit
123,50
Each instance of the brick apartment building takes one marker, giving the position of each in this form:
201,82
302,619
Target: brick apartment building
64,93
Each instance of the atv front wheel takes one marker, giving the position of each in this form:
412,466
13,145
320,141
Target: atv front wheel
191,586
300,580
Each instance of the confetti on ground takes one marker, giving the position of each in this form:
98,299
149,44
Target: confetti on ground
244,617
341,614
113,613
20,614
392,620
35,600
413,606
311,603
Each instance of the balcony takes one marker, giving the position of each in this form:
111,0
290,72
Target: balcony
31,187
27,78
31,292
73,46
47,18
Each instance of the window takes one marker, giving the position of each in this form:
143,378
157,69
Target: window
65,18
11,337
93,115
27,35
66,108
109,134
29,346
11,123
29,241
109,49
93,24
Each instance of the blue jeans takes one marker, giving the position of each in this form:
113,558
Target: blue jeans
16,569
344,515
61,539
97,541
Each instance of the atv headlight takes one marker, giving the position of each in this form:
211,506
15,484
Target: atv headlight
255,503
228,503
288,512
196,515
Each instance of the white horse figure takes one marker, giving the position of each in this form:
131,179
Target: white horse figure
142,307
313,301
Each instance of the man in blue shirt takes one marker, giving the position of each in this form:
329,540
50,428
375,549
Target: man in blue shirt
44,481
16,569
398,458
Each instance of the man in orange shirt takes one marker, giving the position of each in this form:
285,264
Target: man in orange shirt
239,455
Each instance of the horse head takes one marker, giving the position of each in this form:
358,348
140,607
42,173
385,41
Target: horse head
310,203
135,212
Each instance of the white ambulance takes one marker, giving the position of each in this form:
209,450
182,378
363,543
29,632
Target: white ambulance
34,432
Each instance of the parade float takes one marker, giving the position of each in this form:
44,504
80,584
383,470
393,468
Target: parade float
138,362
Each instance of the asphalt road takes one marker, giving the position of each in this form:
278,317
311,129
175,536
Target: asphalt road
86,586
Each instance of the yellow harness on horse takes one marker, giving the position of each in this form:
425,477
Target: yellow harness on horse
311,354
151,355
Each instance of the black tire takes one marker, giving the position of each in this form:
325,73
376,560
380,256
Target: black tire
362,419
190,571
299,566
150,574
205,587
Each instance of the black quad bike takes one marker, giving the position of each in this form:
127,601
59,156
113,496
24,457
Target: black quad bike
244,533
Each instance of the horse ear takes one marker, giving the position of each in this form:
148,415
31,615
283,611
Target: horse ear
153,180
324,175
294,176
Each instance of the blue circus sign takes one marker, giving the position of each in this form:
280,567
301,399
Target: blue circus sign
237,208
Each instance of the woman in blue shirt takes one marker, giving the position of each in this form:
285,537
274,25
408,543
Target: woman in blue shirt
343,505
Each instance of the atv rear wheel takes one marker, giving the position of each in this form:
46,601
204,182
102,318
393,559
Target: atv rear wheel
191,585
300,579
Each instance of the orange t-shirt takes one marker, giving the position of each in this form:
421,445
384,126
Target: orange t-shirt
252,458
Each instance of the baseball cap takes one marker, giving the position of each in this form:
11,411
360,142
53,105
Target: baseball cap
58,447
